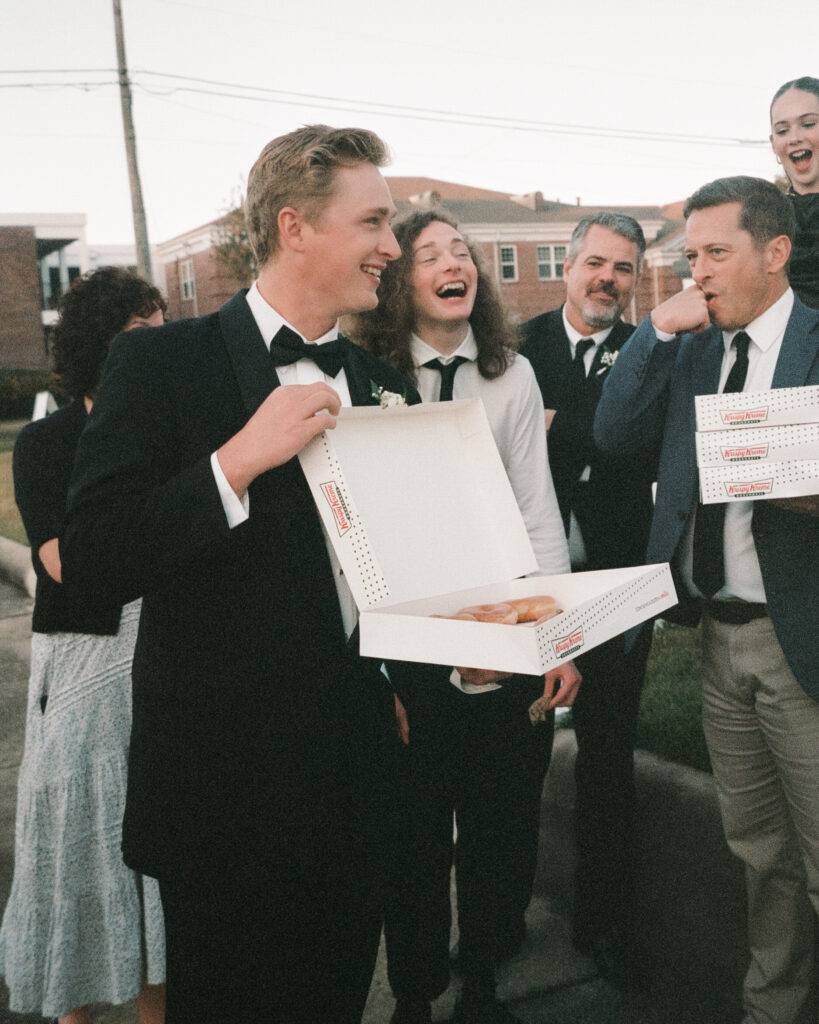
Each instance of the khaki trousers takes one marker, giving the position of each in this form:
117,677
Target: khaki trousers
762,732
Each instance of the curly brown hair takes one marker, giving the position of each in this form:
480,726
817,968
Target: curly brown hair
93,311
386,330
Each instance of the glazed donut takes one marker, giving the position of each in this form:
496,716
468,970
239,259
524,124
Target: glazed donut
501,613
539,607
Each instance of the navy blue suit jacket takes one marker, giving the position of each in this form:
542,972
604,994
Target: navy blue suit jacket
649,396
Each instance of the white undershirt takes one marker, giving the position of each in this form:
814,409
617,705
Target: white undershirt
303,371
514,408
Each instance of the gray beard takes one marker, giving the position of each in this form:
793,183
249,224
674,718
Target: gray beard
600,319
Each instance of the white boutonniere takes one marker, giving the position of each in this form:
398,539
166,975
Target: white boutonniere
386,399
607,359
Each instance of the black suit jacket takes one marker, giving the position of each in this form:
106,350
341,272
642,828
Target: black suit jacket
614,508
257,732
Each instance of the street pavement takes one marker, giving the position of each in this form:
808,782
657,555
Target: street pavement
690,904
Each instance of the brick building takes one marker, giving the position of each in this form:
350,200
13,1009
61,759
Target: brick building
40,255
523,239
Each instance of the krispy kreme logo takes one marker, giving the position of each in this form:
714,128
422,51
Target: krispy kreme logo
732,416
337,507
568,644
744,453
749,489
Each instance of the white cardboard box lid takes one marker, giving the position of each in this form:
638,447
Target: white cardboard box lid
757,408
758,444
793,479
416,501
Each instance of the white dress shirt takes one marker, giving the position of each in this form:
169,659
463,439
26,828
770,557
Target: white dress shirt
743,578
514,409
577,547
303,371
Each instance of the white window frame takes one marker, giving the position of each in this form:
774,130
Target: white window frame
551,260
511,261
187,280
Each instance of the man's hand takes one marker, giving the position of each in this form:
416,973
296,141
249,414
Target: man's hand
482,676
401,720
687,311
560,686
549,415
282,425
806,506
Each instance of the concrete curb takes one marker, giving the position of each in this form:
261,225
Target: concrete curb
15,565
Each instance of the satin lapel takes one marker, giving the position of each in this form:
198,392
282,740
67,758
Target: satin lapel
248,353
708,350
800,346
358,379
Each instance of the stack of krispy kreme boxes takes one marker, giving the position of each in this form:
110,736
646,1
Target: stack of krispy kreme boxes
758,444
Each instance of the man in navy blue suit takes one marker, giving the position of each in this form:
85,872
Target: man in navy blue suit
748,569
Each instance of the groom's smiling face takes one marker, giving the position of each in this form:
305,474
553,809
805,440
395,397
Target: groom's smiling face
348,245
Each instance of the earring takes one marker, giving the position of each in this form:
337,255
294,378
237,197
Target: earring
778,161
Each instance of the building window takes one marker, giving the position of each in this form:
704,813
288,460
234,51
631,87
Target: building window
550,259
187,280
508,263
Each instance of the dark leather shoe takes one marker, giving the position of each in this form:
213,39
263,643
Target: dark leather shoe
504,947
481,1010
412,1011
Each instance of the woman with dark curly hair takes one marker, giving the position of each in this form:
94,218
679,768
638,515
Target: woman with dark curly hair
79,927
795,142
470,747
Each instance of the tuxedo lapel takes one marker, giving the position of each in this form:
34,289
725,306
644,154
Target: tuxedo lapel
249,356
800,346
708,350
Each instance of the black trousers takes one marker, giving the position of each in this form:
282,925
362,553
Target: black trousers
605,716
477,756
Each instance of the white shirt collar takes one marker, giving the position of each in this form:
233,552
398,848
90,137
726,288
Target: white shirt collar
422,353
768,326
269,321
574,335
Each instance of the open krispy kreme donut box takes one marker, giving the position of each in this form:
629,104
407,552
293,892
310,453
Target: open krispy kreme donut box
758,444
418,507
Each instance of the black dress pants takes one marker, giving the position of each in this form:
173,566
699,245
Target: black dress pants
605,716
476,756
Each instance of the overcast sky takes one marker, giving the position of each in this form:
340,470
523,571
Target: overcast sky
630,103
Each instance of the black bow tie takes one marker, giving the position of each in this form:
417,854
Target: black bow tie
287,347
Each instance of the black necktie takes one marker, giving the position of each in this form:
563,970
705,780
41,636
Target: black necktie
579,363
709,545
447,371
287,347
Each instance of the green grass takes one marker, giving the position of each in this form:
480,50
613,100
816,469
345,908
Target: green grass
11,525
669,723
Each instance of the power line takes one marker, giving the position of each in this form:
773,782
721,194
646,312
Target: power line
262,94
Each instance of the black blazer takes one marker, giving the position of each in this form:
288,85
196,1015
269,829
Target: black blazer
253,720
614,508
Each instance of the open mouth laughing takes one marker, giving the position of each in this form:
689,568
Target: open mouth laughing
372,270
452,290
801,158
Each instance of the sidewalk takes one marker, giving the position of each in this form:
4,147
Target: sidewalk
691,903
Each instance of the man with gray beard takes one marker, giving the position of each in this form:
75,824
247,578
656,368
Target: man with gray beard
605,502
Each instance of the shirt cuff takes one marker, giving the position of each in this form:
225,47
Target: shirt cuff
237,510
662,335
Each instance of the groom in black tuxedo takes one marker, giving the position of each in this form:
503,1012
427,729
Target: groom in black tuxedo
260,756
605,501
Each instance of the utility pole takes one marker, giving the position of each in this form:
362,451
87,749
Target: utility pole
140,227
